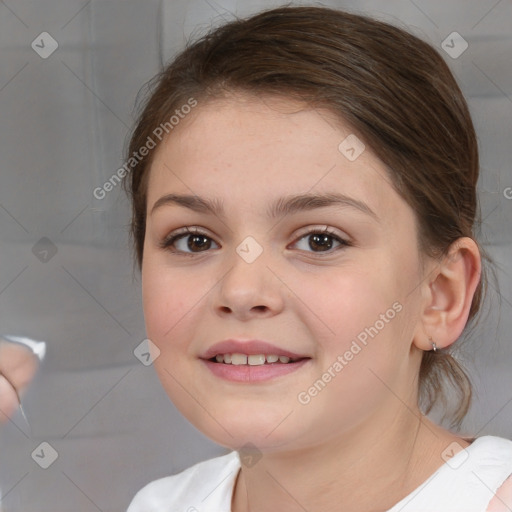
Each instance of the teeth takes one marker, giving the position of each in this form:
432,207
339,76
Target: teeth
256,360
252,360
238,359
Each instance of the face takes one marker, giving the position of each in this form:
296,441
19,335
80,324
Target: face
346,299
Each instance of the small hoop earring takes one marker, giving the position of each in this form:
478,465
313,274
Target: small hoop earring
434,346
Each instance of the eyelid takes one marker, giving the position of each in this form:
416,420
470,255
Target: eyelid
322,228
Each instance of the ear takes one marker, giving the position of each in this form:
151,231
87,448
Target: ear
448,290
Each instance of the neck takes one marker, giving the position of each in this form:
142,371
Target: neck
364,471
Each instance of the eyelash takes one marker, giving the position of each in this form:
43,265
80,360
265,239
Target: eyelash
169,240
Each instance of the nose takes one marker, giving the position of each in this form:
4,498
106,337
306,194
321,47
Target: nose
250,288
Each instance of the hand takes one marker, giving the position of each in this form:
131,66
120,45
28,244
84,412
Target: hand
18,365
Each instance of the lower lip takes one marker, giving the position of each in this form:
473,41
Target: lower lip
257,373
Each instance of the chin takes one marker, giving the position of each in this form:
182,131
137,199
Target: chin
235,433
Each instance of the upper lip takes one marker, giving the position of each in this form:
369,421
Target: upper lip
250,347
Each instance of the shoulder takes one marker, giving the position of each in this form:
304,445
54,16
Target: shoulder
489,451
190,486
469,480
502,501
495,466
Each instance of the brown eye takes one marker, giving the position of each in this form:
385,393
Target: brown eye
188,242
319,241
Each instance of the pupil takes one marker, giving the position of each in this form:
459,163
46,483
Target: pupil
321,239
197,238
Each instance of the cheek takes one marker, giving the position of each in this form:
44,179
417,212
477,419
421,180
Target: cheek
363,318
167,299
360,331
349,301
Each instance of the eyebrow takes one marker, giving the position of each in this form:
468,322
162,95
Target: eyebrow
287,205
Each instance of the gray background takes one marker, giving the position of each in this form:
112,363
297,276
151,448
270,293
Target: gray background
64,121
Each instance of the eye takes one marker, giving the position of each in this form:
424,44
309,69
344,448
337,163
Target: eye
191,239
322,239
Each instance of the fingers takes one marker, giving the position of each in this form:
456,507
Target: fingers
9,402
18,365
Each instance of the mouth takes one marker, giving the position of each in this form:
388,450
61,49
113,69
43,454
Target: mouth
251,361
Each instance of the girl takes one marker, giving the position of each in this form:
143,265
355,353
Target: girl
304,193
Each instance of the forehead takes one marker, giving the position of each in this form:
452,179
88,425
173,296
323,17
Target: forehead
254,149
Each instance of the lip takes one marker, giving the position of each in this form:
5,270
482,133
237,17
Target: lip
252,374
249,347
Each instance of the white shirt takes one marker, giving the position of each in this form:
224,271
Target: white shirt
465,483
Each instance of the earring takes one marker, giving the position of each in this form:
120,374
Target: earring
434,346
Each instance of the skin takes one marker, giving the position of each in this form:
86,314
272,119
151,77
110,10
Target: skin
502,501
18,365
361,444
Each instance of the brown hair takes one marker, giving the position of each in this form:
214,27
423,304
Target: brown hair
394,90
